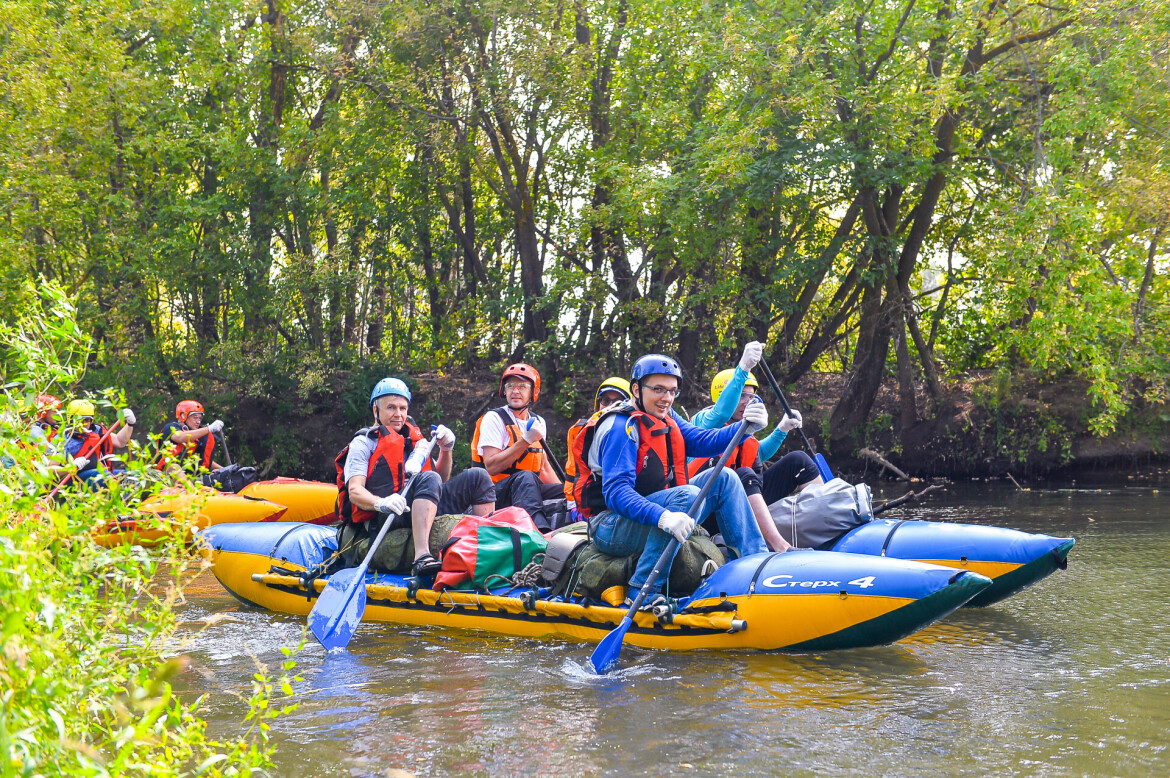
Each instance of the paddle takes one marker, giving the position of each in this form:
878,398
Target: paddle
341,605
223,442
605,656
822,465
96,448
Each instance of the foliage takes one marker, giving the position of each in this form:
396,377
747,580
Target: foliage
88,643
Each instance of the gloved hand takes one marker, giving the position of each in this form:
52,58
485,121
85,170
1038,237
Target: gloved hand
129,417
81,463
444,437
756,414
752,354
789,423
215,427
395,503
536,430
676,523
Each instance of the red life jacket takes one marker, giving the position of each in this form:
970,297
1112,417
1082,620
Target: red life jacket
533,458
385,473
93,447
202,448
745,455
661,462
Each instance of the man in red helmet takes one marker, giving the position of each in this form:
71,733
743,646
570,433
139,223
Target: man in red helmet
190,437
509,443
45,426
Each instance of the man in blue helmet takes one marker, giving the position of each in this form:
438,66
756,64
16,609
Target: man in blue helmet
371,472
635,492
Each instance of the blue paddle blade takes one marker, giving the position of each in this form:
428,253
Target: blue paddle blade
339,609
823,468
605,656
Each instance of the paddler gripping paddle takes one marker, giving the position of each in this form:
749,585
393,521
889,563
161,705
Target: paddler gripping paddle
822,465
341,605
606,654
94,450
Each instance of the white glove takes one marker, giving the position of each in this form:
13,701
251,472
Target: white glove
215,426
676,523
81,463
445,437
789,423
536,430
395,503
129,417
752,354
756,414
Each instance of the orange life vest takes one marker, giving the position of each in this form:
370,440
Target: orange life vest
532,459
745,455
203,448
386,471
571,463
661,462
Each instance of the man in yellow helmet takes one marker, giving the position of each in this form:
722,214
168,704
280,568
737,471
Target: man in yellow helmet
731,391
90,444
613,389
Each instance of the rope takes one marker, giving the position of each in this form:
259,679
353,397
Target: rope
527,578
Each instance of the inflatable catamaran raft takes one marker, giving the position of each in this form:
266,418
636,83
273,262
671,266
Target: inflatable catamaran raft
799,601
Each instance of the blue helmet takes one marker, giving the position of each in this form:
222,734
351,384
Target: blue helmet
655,364
390,386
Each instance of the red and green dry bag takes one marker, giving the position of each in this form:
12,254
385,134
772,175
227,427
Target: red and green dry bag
480,547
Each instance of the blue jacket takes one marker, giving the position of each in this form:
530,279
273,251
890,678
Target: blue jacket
717,415
619,454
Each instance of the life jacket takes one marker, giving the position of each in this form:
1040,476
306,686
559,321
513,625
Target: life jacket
386,472
745,455
571,463
93,447
48,429
202,448
532,459
661,462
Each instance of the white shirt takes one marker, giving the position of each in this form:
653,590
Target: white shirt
357,461
492,431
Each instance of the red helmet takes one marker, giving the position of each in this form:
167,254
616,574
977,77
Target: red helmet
186,408
522,370
46,404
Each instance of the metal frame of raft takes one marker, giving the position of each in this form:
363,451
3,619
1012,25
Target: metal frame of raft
798,601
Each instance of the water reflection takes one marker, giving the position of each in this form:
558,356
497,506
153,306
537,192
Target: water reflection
1069,677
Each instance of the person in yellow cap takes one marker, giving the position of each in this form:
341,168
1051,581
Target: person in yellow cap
731,391
90,444
613,389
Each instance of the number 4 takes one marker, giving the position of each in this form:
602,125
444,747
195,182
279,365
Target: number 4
864,583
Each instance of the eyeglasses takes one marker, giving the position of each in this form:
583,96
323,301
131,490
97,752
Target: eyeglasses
746,396
664,390
512,386
86,419
609,399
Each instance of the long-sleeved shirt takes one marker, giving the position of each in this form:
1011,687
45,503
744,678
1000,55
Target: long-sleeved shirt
617,441
719,414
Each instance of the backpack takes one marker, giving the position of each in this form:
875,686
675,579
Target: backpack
822,513
397,549
481,548
232,478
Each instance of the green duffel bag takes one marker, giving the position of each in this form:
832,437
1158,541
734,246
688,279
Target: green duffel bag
696,559
397,550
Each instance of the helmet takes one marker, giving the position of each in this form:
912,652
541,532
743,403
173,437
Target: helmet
614,384
389,386
186,408
46,404
722,378
80,408
522,370
655,364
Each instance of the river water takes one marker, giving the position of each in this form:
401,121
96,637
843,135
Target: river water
1070,677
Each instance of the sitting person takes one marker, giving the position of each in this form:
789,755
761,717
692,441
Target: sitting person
612,390
509,443
91,445
731,391
633,482
189,437
372,470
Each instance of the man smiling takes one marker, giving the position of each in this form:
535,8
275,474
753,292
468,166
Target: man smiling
634,485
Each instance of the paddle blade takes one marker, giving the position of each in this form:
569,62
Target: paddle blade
823,468
604,657
339,608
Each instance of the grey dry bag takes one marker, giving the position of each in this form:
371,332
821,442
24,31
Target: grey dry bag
822,512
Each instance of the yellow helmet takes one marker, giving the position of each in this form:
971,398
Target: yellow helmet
612,384
721,380
80,408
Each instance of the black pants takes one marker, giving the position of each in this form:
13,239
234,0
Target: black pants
777,482
459,495
526,490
